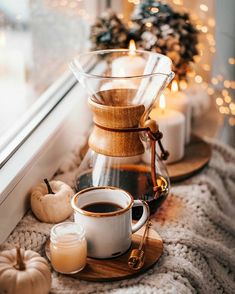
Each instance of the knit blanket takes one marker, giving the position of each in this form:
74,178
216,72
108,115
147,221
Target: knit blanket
196,223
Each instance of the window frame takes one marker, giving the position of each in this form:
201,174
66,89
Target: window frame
17,135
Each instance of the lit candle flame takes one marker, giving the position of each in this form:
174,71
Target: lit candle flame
174,86
162,103
132,47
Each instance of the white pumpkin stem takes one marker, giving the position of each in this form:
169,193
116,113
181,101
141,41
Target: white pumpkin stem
20,265
48,187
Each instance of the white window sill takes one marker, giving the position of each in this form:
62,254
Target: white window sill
40,156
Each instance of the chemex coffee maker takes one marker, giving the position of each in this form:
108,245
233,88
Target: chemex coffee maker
123,87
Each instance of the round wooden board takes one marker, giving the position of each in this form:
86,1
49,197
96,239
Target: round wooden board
103,270
197,155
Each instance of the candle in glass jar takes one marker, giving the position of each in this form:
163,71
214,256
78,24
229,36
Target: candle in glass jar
179,101
68,248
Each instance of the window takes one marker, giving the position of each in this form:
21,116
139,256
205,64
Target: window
37,40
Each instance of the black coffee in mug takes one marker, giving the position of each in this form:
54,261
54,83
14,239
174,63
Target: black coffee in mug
105,213
102,207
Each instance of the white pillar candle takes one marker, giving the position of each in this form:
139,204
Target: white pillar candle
199,99
131,65
128,66
179,101
172,124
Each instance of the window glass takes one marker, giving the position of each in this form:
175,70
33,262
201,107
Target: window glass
37,40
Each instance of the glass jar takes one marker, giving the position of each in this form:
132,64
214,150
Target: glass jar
68,248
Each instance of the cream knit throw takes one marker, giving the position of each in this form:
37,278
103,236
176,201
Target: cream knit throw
197,225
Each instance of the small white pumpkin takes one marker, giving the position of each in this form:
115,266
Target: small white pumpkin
50,202
24,272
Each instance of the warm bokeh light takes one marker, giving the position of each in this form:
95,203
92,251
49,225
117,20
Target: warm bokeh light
162,102
206,67
225,93
148,24
212,49
214,81
197,58
204,7
211,22
174,86
222,109
198,26
178,2
210,91
227,84
231,121
231,60
154,9
219,101
191,74
232,106
227,99
135,2
226,110
198,79
204,29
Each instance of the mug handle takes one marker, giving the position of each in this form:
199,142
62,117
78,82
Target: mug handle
144,216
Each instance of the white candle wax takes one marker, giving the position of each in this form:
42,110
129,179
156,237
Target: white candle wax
128,66
172,124
180,102
199,99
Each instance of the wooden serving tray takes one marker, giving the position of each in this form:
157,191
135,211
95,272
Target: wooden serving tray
103,270
196,157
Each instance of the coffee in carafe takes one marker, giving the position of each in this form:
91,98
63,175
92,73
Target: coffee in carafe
121,100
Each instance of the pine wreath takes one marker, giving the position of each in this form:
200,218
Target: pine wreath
109,32
155,26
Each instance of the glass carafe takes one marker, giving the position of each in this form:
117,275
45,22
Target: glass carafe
123,86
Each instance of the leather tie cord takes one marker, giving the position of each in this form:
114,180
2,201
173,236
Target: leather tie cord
154,136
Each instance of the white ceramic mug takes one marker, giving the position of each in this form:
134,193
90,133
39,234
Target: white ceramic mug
108,234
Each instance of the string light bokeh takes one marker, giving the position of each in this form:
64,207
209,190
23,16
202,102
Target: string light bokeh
218,87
